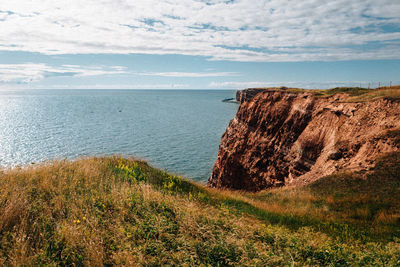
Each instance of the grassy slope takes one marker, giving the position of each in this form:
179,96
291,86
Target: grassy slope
356,94
107,211
346,205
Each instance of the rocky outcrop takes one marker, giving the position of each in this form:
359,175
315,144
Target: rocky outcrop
246,95
281,138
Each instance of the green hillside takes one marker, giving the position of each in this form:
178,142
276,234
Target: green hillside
117,211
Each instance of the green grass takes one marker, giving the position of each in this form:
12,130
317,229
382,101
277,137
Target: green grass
388,93
175,185
356,94
352,91
118,211
368,208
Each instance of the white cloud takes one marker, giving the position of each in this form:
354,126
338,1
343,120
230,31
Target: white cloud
189,74
8,87
32,72
275,30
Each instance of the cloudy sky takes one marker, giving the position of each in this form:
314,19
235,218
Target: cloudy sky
198,43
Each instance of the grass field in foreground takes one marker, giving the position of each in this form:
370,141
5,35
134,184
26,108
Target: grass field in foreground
118,211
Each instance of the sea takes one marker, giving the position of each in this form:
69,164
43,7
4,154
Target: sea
176,130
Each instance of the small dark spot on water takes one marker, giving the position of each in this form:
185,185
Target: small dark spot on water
181,132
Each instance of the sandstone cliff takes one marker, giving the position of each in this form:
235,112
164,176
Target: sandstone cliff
281,137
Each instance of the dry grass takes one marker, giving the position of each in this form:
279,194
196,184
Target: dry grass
82,212
356,94
293,201
116,211
371,203
392,93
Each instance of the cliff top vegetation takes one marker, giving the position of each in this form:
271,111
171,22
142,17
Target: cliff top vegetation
356,94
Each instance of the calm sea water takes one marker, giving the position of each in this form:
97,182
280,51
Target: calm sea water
177,130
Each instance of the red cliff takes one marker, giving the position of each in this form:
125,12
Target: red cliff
281,137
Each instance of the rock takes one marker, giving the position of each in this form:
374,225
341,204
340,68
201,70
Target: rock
335,155
246,95
280,138
229,100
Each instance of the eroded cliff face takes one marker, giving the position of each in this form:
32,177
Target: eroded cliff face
246,95
282,138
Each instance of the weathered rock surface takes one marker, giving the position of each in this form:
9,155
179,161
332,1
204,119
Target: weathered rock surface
246,95
281,138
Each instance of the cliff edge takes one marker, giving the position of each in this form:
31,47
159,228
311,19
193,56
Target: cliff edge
286,136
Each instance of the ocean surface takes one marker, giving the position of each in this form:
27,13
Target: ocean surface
177,130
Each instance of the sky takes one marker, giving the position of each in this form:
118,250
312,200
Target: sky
198,44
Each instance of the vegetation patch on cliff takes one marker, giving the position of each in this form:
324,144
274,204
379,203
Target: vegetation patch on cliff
346,204
117,211
352,91
388,93
359,94
356,94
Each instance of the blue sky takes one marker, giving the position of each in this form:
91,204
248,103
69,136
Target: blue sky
198,44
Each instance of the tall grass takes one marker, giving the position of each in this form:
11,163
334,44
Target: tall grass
117,211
